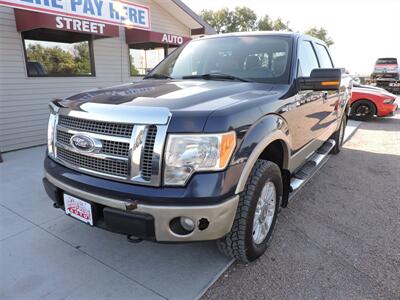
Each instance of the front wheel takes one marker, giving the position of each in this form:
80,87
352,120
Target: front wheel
338,136
256,214
363,110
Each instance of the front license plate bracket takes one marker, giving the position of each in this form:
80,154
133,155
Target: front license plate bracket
78,209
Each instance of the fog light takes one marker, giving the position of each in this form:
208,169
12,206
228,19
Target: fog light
187,223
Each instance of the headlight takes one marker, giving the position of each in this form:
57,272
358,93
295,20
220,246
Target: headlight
51,132
389,101
187,154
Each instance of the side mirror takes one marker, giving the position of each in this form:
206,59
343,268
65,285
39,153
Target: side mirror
321,80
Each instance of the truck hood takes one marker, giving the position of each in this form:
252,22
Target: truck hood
190,101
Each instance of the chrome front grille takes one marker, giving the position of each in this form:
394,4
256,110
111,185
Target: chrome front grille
111,167
127,152
109,147
147,161
115,148
64,137
107,128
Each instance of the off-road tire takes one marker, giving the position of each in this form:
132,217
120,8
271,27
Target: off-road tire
338,136
360,103
238,243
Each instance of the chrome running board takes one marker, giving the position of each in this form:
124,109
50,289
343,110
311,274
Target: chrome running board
310,167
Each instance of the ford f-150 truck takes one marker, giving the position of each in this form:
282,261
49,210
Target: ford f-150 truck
208,146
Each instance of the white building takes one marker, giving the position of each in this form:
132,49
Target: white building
95,52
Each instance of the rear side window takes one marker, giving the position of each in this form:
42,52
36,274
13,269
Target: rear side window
323,55
308,59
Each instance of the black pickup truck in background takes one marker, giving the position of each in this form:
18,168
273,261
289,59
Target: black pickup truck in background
209,146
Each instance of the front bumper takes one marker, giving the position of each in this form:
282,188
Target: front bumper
387,109
150,222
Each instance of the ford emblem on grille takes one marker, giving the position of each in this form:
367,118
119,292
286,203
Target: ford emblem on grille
85,143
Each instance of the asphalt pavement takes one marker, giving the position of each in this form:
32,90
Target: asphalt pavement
340,236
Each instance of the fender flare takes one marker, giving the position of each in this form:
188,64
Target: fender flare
279,132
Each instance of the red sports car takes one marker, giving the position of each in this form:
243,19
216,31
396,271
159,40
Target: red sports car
366,103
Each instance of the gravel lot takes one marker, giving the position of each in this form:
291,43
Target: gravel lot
340,237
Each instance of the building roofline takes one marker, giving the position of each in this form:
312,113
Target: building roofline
207,28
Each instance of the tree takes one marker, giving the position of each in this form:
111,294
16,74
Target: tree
320,33
241,19
134,71
265,24
268,24
56,60
279,25
82,58
244,19
221,20
225,20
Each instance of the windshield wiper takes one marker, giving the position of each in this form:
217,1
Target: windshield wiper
210,76
158,76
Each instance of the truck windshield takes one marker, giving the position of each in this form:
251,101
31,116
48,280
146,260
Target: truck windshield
245,58
388,61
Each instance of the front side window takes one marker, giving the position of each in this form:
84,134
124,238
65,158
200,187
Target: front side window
323,55
254,58
143,61
308,59
47,58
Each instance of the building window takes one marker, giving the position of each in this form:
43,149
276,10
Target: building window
144,60
50,58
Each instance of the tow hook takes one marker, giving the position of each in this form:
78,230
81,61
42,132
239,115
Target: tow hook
133,239
131,205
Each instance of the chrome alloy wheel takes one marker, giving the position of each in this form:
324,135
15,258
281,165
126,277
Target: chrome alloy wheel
363,110
264,214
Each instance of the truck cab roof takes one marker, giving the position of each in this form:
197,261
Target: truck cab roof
293,35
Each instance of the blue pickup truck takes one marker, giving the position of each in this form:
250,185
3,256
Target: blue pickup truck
208,146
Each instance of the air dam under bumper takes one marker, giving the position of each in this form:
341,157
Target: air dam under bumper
220,217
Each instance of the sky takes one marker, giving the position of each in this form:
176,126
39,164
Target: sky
362,30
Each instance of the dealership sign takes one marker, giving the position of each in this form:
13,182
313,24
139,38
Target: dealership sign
135,36
123,13
172,39
28,20
79,25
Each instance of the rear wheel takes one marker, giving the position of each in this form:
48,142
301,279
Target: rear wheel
256,214
363,110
